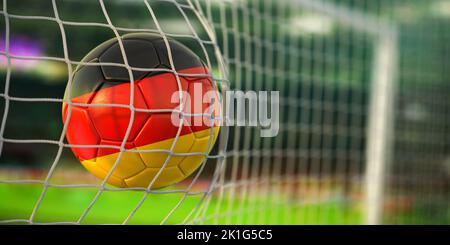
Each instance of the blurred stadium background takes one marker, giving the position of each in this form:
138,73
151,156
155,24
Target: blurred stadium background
365,112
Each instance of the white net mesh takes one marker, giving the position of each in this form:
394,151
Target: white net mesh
364,119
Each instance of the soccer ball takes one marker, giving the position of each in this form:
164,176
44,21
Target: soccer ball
100,113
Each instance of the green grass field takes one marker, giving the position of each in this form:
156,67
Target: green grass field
67,205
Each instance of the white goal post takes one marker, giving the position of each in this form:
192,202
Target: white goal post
382,102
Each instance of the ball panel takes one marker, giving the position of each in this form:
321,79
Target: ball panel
158,128
130,162
157,159
158,90
139,53
112,122
200,91
98,51
100,173
191,163
167,177
80,131
197,72
182,56
85,81
205,133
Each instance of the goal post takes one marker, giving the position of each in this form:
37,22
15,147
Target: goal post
382,98
381,125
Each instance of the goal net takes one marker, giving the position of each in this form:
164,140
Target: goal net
363,112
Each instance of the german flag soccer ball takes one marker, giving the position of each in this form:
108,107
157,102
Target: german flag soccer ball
100,112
